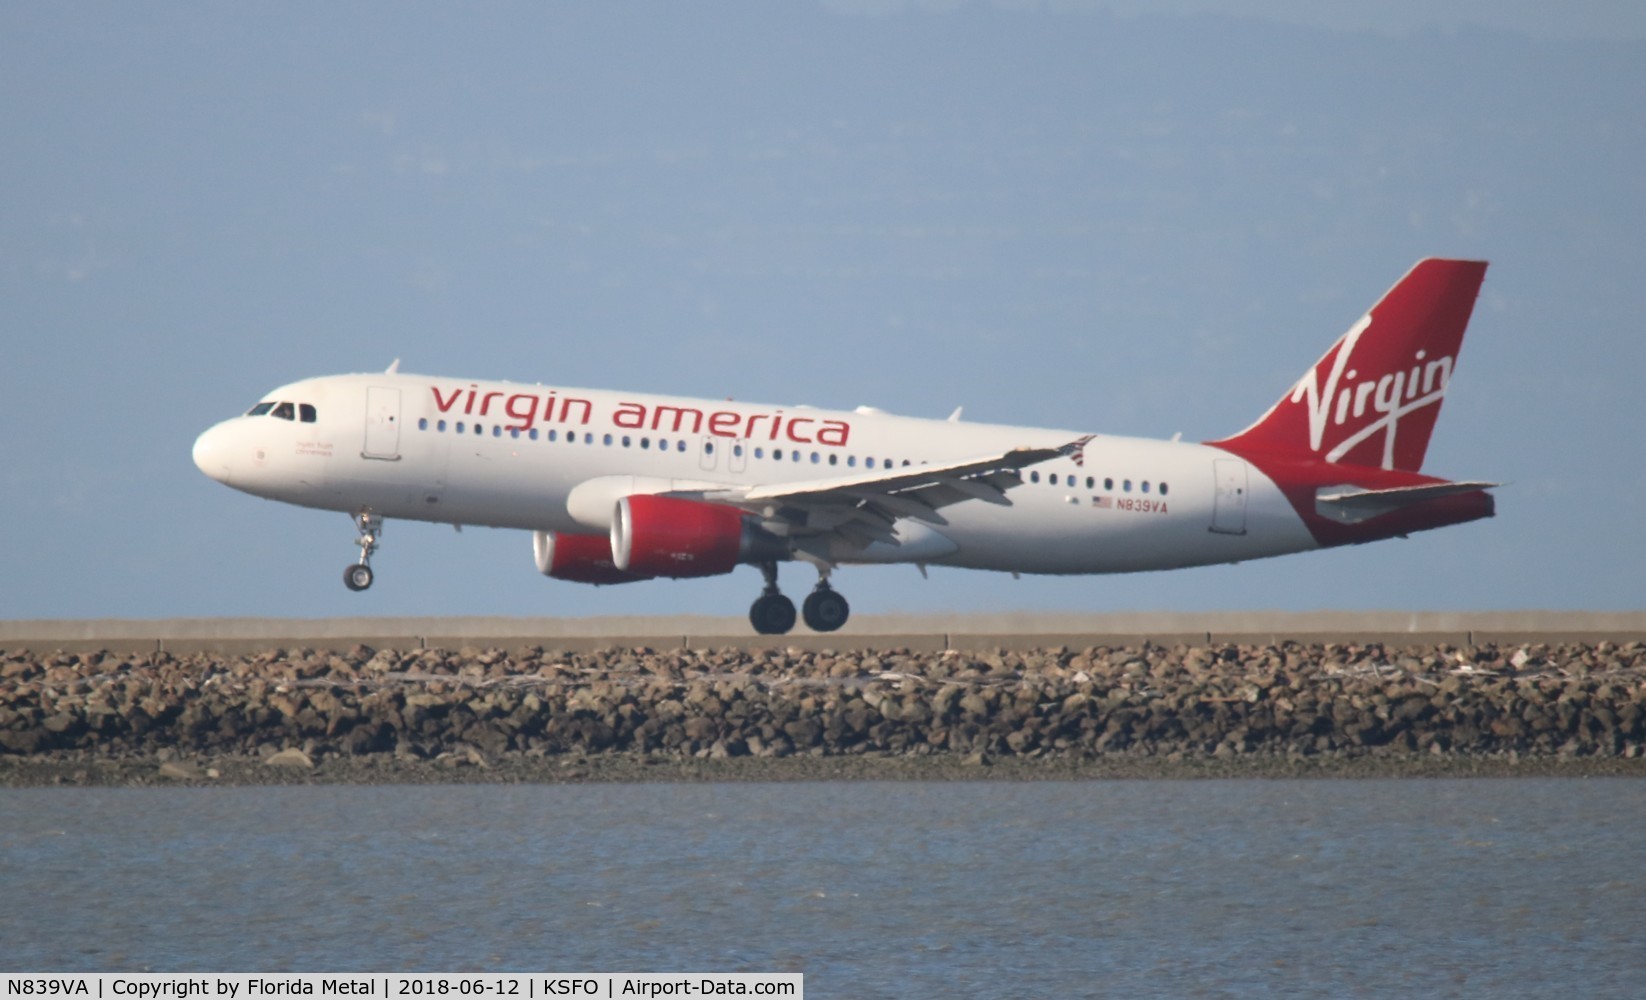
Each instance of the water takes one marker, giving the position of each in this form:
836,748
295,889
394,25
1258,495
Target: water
1134,888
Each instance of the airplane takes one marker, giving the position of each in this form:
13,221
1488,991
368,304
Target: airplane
622,486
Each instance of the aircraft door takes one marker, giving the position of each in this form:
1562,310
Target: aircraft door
1229,503
382,423
738,459
706,456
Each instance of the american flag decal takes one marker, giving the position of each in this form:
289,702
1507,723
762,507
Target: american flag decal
1104,502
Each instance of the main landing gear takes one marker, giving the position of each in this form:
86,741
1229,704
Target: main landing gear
824,609
359,575
773,614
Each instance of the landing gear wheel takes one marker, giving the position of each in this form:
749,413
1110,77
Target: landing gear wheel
825,610
772,614
359,576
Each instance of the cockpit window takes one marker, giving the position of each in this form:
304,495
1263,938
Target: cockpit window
285,411
259,409
305,413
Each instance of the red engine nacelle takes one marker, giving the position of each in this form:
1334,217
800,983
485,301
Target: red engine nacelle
579,558
667,536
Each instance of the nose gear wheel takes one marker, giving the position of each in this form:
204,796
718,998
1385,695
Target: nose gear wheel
358,576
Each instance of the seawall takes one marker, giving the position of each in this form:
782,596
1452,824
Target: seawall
486,706
1004,630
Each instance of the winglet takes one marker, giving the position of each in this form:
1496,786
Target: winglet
1076,449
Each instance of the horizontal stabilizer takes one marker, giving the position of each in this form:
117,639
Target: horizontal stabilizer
1352,505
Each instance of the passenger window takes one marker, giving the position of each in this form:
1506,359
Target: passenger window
606,440
306,413
680,446
1108,484
1126,485
646,443
777,454
737,450
1162,489
868,463
259,409
514,433
816,458
1034,477
760,453
834,459
460,427
440,425
708,447
1090,482
625,440
532,433
795,455
285,412
479,428
1145,486
851,461
422,423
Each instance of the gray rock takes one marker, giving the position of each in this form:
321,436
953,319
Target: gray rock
181,770
291,758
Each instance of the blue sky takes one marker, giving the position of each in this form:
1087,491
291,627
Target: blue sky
1125,218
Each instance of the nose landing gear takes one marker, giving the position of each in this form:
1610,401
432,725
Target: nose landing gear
359,575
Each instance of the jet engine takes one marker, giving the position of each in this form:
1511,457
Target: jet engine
579,558
667,536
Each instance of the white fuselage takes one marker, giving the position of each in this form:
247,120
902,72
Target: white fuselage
508,455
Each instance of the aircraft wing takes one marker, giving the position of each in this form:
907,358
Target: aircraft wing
863,508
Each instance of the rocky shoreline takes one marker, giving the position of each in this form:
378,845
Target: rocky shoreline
545,715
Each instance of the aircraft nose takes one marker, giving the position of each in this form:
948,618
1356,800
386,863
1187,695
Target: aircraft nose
211,453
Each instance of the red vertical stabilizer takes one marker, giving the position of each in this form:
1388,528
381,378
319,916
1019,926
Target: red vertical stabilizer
1373,399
